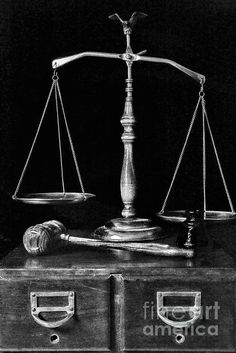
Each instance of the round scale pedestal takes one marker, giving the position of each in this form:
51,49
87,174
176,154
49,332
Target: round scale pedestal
128,229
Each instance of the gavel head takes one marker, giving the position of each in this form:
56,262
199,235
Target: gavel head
41,238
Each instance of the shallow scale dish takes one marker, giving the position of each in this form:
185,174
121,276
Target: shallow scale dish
54,198
179,216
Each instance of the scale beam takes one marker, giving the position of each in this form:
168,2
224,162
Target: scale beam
67,59
129,57
195,75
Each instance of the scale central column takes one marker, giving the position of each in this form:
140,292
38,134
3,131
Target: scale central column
128,178
128,227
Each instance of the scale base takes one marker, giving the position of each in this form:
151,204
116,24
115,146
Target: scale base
179,216
128,229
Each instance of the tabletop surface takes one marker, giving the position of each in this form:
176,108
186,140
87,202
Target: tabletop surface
219,253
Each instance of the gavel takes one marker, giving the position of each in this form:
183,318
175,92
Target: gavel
43,238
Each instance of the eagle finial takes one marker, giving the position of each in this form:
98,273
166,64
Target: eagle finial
128,25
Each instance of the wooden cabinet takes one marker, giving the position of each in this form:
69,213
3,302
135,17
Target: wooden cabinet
119,302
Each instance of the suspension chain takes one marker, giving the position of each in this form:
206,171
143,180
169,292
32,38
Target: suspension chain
217,157
57,93
59,133
70,141
181,155
204,119
34,141
201,95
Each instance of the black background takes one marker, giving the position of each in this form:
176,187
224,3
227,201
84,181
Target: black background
198,34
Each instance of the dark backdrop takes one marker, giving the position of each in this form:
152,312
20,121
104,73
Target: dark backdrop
198,34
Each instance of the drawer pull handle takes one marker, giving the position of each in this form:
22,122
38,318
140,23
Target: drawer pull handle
194,311
36,310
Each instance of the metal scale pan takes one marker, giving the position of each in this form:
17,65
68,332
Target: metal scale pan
178,216
54,198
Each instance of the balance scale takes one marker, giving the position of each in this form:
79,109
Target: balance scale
128,227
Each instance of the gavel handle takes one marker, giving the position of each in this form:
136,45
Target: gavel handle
147,248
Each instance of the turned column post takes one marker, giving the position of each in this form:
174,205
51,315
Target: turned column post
128,178
128,227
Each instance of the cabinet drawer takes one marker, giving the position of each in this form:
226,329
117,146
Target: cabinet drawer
156,311
55,314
